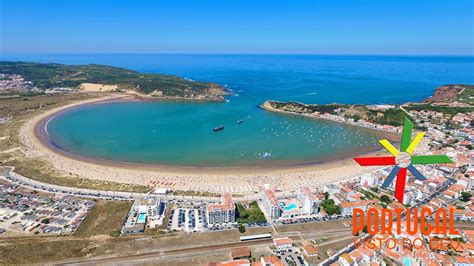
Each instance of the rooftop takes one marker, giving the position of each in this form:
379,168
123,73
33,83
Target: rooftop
282,241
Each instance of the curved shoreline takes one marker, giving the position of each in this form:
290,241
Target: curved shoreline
199,178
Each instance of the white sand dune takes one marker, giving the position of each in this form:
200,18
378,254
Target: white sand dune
93,87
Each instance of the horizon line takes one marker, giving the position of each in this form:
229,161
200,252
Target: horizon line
230,53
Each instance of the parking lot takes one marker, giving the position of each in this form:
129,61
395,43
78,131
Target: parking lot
187,219
291,256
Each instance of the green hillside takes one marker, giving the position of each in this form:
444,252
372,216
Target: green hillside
51,75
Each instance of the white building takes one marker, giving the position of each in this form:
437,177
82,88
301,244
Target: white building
369,180
283,243
332,189
347,207
155,210
223,212
407,198
309,201
271,204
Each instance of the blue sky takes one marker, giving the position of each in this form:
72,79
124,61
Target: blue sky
237,26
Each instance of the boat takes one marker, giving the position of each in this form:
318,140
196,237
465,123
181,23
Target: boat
265,155
219,128
240,121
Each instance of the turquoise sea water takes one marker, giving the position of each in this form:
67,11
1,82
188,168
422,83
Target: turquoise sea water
180,133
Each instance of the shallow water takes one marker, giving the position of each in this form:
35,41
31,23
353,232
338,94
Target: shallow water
180,133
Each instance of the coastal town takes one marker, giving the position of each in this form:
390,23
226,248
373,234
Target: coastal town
30,207
237,133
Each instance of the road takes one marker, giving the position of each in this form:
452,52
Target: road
16,178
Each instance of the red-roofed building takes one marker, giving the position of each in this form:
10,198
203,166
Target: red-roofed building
271,204
223,212
243,262
310,250
271,260
463,260
284,242
368,254
346,260
356,255
444,259
457,188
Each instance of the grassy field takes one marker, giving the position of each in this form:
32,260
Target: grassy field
24,251
467,95
252,214
105,218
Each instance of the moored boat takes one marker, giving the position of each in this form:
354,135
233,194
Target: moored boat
219,128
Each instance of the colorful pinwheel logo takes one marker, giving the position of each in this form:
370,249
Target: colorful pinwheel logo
403,160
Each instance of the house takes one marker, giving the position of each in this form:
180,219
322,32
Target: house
310,250
450,194
346,260
282,243
271,260
367,254
356,255
457,188
356,196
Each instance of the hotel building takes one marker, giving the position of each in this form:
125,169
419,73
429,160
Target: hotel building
271,204
309,201
223,212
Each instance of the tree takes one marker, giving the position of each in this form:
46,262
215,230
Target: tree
241,228
356,118
330,207
466,196
375,189
385,199
115,233
326,195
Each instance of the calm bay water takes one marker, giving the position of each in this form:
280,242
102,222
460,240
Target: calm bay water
180,133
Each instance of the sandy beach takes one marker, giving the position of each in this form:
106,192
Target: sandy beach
236,180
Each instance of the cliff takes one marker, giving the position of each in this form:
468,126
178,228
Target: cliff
451,93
